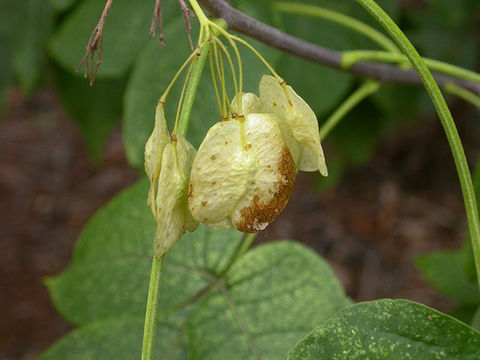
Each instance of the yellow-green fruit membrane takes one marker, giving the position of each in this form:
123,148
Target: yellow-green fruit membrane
168,164
297,121
242,175
154,147
250,104
172,214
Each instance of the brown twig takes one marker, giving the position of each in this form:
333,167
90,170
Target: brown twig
157,20
186,14
273,37
94,44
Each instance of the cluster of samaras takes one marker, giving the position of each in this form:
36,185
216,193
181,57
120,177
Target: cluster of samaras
244,171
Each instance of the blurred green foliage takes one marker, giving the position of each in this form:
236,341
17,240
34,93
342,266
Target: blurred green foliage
42,43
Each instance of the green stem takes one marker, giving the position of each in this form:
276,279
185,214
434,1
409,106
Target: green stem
349,58
367,88
445,116
347,21
191,90
463,93
152,305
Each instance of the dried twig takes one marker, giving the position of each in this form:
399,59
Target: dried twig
186,14
94,44
157,21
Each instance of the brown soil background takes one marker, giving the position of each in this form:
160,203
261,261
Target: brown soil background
405,201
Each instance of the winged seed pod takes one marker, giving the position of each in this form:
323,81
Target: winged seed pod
168,164
242,175
297,120
157,141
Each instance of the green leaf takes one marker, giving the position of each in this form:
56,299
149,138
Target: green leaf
267,302
389,329
26,28
125,33
320,87
476,320
155,68
62,5
453,14
446,272
108,276
280,290
356,136
119,340
95,108
476,183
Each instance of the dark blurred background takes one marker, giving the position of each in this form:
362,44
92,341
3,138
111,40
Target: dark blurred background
393,194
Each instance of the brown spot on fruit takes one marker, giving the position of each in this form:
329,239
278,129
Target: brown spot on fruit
190,190
259,214
274,104
204,203
214,183
213,157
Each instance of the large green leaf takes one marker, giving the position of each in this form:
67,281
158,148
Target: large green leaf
447,272
267,302
153,72
108,276
125,33
95,108
389,329
279,291
117,339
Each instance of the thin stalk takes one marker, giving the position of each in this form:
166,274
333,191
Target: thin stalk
463,93
367,88
445,116
202,18
191,90
221,30
214,81
349,58
221,80
230,62
339,18
178,73
180,100
152,306
257,54
226,102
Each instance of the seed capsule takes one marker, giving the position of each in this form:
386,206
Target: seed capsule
242,175
154,147
168,164
296,120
